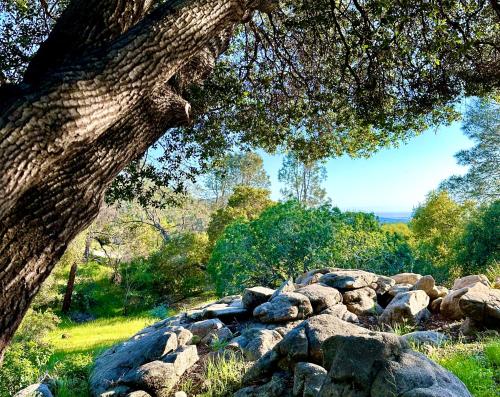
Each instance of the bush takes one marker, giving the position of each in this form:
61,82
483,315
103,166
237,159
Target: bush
23,365
72,375
174,272
289,238
26,358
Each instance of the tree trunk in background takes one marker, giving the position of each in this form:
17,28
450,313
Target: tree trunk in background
107,83
69,288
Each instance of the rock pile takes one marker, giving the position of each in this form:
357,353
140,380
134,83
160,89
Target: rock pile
306,338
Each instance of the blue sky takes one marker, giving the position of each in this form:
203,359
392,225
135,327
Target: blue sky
392,180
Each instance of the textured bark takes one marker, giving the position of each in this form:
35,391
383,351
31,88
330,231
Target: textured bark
70,286
97,95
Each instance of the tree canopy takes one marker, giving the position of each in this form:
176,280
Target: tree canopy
322,78
482,180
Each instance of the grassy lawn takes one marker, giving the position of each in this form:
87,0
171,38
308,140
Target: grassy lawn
94,336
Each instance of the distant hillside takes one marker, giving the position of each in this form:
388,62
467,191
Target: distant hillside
393,217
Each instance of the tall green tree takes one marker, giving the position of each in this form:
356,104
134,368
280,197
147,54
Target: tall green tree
482,180
302,180
224,175
478,249
290,238
437,225
113,77
246,204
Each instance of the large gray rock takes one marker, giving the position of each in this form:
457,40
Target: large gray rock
160,376
284,307
469,281
35,390
414,375
117,361
381,365
450,306
253,297
308,379
259,342
406,278
361,301
349,279
482,305
303,343
408,307
354,362
321,296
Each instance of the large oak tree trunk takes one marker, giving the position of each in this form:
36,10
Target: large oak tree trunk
98,93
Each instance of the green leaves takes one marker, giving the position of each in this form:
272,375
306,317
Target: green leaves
289,238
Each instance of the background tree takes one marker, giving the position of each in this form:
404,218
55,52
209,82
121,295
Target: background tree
482,180
114,77
246,169
246,203
437,225
289,238
478,249
302,180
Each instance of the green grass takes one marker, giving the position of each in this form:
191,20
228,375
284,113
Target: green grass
222,377
94,336
476,364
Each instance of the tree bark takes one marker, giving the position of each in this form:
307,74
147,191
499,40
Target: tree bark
69,288
99,92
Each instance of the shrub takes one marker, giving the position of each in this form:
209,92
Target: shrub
72,375
24,364
289,238
173,273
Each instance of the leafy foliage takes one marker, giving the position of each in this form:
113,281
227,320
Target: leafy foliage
482,180
288,239
437,226
224,175
302,180
176,271
478,249
246,203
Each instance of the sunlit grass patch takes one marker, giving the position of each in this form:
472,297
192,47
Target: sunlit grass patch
476,364
94,336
